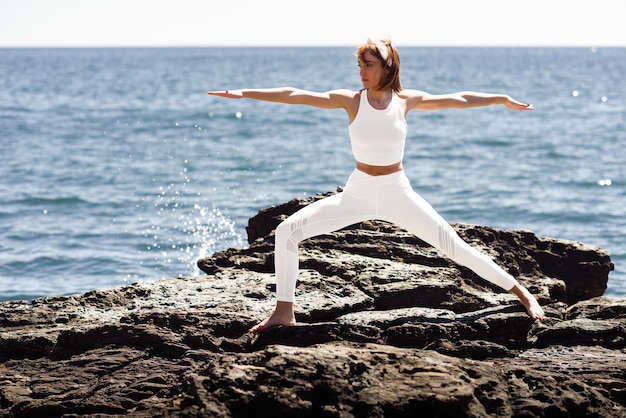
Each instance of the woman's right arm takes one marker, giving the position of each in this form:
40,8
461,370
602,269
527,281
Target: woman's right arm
334,99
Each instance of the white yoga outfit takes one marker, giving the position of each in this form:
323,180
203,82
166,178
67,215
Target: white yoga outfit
377,138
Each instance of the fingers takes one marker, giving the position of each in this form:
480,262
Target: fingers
514,105
222,93
233,94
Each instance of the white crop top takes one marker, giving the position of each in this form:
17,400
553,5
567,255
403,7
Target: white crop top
378,136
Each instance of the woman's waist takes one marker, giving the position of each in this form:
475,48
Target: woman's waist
379,170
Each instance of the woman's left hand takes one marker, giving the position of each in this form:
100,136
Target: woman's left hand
515,105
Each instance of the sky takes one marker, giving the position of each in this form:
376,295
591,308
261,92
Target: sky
152,23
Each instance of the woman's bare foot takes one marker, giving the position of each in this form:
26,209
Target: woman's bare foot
283,315
535,311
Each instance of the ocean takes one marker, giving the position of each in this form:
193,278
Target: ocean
117,167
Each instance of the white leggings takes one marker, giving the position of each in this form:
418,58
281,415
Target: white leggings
388,198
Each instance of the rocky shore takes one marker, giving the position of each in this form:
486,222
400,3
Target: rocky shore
387,328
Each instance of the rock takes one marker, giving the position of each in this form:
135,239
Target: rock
387,327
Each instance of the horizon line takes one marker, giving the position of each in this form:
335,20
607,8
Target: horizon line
400,45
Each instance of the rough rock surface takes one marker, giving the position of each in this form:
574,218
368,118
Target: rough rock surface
387,328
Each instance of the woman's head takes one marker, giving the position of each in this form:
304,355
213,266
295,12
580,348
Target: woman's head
389,59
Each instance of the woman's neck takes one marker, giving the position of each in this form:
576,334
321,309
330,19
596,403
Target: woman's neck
380,99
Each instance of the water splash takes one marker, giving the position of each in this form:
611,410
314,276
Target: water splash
191,235
186,229
211,231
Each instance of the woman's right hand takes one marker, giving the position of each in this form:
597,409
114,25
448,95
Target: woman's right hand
229,94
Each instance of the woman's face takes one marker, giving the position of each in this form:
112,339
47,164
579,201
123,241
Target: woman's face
370,70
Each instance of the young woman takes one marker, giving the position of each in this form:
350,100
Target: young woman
378,187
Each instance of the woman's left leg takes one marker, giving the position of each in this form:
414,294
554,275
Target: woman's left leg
401,205
407,209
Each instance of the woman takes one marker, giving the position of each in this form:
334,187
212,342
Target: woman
378,187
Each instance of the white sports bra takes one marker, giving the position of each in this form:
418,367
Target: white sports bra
378,136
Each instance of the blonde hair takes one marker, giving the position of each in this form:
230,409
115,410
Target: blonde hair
389,58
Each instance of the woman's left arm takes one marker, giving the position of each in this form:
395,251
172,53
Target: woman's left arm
461,100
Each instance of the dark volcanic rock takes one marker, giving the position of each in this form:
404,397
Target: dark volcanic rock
387,327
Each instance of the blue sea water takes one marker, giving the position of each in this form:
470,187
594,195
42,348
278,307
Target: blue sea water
116,167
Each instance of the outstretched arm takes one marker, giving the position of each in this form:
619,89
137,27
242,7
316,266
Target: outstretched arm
461,100
334,99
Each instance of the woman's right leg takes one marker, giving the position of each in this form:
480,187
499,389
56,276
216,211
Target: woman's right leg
321,217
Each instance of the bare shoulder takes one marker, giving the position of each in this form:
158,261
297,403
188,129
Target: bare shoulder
410,98
412,94
344,94
349,100
416,99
